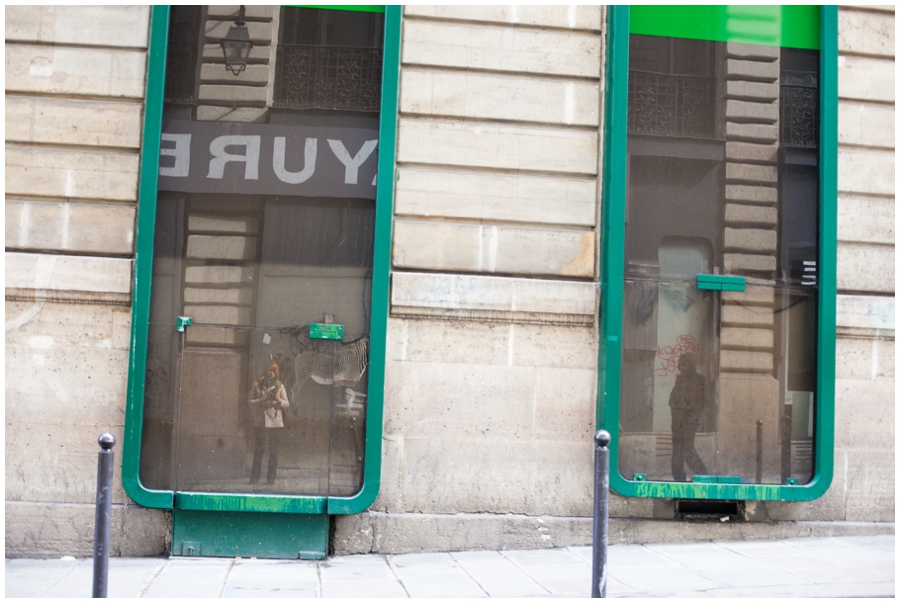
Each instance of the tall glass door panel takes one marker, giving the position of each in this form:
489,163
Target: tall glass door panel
264,227
721,246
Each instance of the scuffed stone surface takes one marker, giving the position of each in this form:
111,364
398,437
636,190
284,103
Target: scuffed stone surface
55,529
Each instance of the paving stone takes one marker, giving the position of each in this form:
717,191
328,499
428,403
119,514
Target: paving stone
434,575
636,555
363,588
199,577
266,578
128,577
34,577
860,566
497,575
664,581
559,571
806,590
364,568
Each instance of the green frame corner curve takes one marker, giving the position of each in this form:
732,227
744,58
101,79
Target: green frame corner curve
143,266
828,236
141,290
612,274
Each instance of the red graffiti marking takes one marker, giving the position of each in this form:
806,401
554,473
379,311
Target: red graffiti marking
669,355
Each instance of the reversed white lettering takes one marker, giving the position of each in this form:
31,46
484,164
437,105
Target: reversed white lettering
351,171
309,161
181,152
220,156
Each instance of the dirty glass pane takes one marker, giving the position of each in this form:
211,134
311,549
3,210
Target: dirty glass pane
722,145
767,401
670,359
160,406
722,180
265,224
252,418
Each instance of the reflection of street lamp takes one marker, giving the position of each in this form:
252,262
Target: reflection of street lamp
236,45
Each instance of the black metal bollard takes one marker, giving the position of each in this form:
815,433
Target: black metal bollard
601,513
102,518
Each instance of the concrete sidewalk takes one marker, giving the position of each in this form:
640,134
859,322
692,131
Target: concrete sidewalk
859,566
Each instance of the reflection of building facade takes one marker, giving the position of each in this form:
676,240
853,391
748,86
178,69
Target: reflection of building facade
723,147
492,336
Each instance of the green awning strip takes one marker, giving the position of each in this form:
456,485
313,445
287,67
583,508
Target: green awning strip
787,26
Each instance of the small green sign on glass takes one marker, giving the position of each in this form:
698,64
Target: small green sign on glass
326,331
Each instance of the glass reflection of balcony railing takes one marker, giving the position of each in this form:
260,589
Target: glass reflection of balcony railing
670,105
799,109
328,77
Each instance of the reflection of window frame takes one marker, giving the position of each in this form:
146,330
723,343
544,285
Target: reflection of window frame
146,220
612,277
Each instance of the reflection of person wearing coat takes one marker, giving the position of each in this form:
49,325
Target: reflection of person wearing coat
268,401
687,401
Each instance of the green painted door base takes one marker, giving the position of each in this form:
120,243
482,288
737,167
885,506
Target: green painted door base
239,534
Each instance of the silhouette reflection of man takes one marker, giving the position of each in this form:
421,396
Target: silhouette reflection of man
687,401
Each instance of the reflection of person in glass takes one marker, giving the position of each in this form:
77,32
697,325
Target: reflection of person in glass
268,401
687,400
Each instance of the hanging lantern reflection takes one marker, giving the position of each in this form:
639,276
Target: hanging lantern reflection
236,45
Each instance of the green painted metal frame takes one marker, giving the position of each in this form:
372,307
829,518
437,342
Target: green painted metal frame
146,223
234,533
145,228
612,277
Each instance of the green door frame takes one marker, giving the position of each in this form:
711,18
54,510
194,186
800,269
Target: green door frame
141,289
702,24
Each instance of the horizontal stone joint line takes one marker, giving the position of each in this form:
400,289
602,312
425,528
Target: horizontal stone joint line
847,52
91,505
88,298
76,253
862,243
531,75
869,101
412,116
82,200
55,146
864,195
493,222
507,24
865,333
852,145
494,316
537,277
122,100
870,292
54,44
494,170
479,71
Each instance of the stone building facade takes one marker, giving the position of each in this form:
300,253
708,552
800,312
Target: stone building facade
494,321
